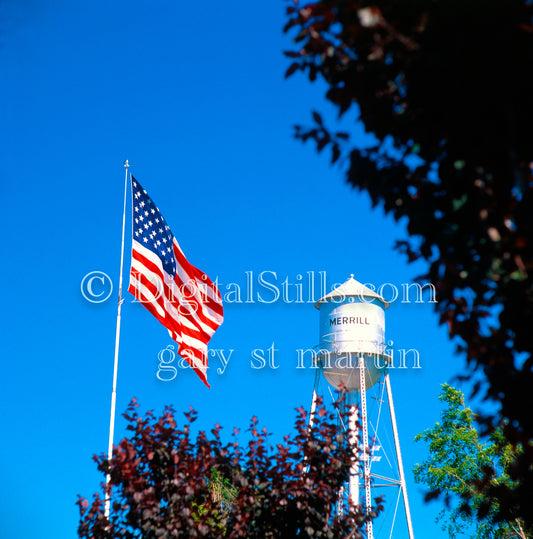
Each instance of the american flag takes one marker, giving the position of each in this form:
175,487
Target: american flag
180,296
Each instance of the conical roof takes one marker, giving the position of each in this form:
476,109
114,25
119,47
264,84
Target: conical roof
351,288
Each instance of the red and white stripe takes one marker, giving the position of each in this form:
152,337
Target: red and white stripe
188,305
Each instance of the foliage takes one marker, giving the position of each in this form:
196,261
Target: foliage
165,484
223,494
446,88
458,465
222,491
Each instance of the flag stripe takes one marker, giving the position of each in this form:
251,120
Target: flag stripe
191,342
168,291
202,291
183,283
208,289
159,292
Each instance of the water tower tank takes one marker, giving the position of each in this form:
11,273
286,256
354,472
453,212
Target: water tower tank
352,324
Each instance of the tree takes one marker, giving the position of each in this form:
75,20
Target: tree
458,465
165,484
446,88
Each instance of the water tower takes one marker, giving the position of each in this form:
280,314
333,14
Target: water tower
353,357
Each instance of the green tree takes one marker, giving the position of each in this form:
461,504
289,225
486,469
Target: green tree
164,483
465,469
446,89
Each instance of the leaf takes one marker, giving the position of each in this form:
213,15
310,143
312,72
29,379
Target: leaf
432,495
317,118
292,68
292,54
335,153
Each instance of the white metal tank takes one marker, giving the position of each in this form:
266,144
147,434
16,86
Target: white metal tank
352,324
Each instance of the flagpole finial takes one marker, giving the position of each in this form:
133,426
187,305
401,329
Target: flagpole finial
126,164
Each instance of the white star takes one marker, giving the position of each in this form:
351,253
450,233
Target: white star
141,218
145,240
146,213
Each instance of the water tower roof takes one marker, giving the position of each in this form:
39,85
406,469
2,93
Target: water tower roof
351,288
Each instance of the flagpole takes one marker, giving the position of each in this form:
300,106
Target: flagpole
117,341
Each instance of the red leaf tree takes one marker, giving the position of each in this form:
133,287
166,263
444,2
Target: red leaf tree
165,484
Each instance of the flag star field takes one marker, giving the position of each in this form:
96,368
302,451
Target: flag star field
151,229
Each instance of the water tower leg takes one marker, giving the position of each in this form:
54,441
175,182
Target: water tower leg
399,457
354,470
364,453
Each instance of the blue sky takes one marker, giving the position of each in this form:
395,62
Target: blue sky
193,95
